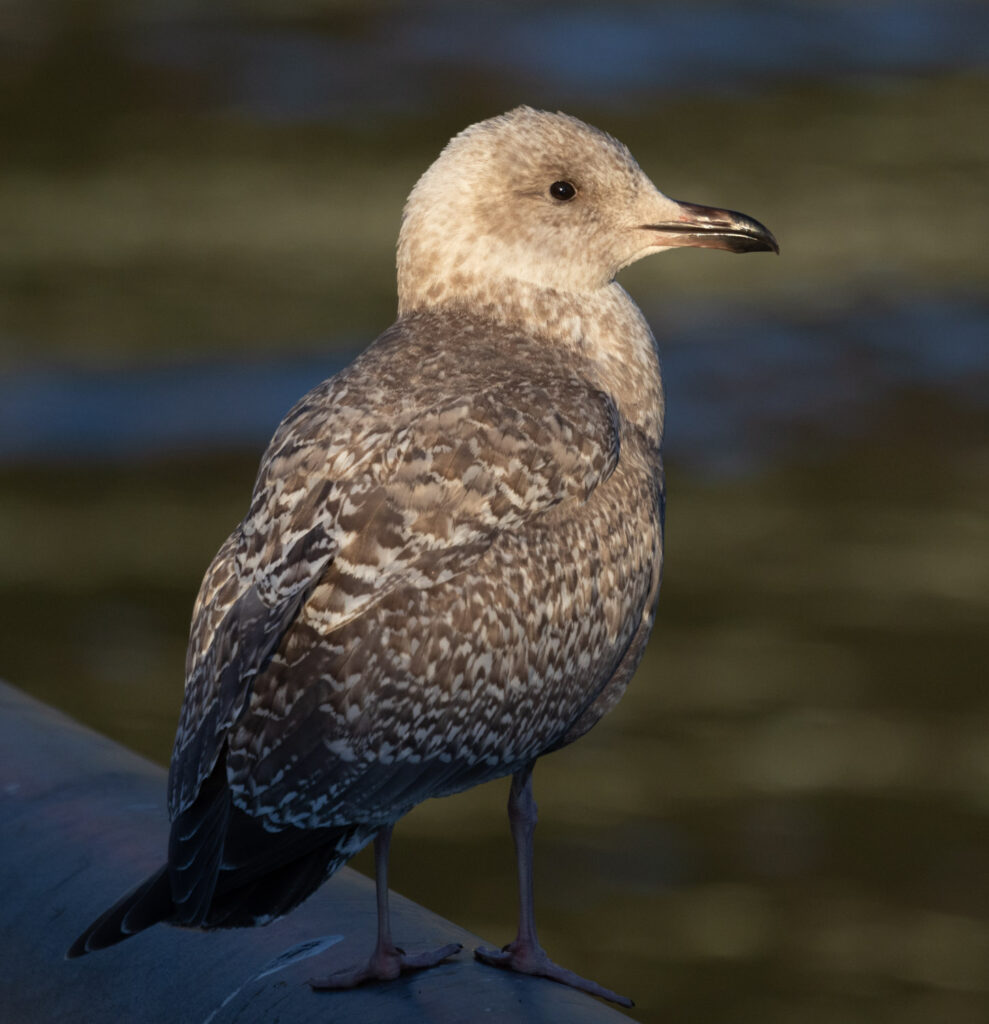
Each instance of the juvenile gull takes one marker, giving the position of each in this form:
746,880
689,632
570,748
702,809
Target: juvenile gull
453,551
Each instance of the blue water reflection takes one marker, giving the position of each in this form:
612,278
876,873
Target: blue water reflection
588,54
785,820
744,390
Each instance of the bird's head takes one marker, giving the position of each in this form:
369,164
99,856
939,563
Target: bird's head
547,200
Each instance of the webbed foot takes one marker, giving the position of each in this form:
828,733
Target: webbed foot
532,959
385,965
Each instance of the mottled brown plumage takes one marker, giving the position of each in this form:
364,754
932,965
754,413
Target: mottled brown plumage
452,556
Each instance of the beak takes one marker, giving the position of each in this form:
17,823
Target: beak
708,228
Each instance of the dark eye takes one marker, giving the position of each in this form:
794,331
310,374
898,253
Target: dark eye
562,190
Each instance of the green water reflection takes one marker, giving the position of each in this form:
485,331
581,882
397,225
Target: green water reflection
788,809
786,819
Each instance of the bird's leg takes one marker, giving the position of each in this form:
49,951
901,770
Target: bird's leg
387,961
525,954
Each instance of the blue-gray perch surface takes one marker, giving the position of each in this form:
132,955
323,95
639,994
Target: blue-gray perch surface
82,819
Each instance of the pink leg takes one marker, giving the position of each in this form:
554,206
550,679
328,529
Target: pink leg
525,954
387,961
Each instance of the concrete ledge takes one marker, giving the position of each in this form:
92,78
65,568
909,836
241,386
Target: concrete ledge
82,820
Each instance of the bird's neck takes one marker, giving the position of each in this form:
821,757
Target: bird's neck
617,341
603,329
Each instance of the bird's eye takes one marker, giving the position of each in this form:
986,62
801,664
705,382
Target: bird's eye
562,190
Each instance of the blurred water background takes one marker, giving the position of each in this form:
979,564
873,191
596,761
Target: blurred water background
788,816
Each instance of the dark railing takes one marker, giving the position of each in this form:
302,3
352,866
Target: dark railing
82,820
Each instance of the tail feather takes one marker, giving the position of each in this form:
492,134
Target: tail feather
225,869
246,897
278,871
142,907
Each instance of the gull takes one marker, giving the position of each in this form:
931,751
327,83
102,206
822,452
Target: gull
452,555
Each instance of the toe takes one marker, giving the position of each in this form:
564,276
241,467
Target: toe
432,958
494,957
385,966
532,959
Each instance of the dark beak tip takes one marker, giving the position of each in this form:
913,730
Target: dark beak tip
757,237
752,243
